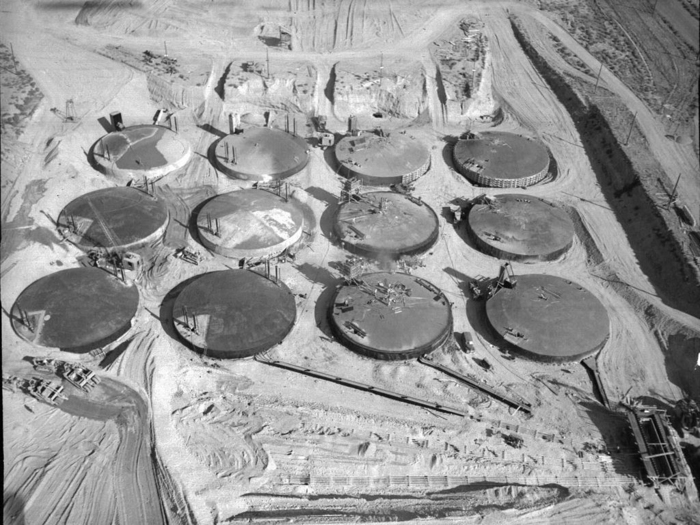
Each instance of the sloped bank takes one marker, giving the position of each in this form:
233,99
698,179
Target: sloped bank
659,253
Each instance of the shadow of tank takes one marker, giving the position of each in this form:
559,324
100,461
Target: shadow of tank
390,316
114,219
261,154
385,225
76,310
247,224
501,160
395,158
233,313
520,227
548,318
142,151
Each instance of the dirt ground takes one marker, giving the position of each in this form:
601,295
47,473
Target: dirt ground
172,436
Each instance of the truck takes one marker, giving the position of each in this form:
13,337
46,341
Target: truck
466,341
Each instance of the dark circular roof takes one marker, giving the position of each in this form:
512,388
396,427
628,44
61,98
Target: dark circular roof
238,313
520,227
144,149
549,318
75,310
382,160
113,218
261,154
386,223
390,316
252,223
501,155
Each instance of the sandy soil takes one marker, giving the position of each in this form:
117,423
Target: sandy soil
176,437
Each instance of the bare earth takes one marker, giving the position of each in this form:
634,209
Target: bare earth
173,437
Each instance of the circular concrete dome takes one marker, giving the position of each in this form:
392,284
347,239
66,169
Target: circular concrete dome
114,219
380,161
501,160
76,310
234,313
261,154
141,151
386,224
548,318
390,316
520,228
251,223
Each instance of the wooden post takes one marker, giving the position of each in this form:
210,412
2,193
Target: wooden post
268,61
597,79
629,134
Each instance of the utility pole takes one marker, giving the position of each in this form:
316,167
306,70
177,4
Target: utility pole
631,126
165,44
673,193
14,62
597,79
381,65
267,49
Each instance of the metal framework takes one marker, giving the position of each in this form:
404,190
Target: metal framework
524,406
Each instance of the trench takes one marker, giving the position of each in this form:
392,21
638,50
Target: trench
330,85
220,88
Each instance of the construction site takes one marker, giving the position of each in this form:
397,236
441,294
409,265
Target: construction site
345,262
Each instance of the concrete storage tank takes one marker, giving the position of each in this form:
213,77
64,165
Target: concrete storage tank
501,160
382,160
390,316
234,313
386,224
548,318
114,219
520,228
261,154
249,224
141,151
76,310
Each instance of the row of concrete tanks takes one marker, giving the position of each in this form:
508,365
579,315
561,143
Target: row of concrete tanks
254,224
377,158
